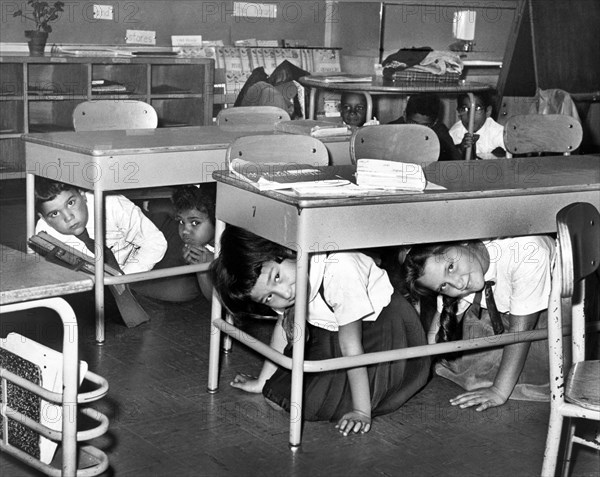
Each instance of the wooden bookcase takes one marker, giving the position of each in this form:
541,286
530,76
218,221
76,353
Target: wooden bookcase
38,94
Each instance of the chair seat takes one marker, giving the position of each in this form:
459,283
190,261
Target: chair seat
583,385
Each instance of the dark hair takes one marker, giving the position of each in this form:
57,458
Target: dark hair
427,104
345,95
191,197
486,98
413,269
47,190
237,268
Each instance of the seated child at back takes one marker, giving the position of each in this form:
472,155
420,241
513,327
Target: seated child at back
353,110
488,136
133,239
424,109
352,309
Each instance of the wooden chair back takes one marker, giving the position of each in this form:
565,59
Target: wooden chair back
395,142
109,114
279,149
574,389
251,118
536,133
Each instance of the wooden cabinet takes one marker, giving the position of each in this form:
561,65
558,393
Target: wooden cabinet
38,94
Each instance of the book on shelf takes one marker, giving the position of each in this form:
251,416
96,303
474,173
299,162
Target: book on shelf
108,86
274,176
344,78
313,127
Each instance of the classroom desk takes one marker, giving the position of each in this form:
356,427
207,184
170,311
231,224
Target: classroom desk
381,86
491,198
130,159
29,281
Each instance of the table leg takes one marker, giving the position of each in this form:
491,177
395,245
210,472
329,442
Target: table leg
471,123
215,333
369,100
99,263
30,207
312,101
298,349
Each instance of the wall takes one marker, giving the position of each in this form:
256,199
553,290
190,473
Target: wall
213,20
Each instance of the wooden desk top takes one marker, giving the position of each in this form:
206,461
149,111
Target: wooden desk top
382,86
146,141
468,179
28,276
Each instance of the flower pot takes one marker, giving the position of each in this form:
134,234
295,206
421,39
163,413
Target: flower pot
36,41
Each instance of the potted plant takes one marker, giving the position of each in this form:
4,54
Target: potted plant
43,13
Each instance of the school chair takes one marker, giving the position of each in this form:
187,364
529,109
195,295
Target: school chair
395,142
537,133
251,118
279,149
577,257
545,101
110,114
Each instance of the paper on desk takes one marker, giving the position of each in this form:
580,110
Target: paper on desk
353,190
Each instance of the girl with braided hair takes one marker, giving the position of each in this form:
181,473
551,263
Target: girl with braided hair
465,277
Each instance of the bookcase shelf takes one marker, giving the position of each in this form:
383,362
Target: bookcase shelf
38,94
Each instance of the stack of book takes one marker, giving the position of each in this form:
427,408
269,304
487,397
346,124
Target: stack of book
313,127
102,86
274,176
380,174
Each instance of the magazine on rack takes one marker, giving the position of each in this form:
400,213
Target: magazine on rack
273,176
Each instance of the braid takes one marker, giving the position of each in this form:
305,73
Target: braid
450,330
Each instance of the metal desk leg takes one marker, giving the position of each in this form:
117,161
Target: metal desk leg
215,333
369,99
298,350
30,206
99,263
312,103
471,123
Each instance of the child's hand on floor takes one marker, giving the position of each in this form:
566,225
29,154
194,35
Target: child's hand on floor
197,254
245,382
354,421
483,398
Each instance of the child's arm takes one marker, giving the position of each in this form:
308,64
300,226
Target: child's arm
433,328
252,384
149,242
513,359
193,254
359,419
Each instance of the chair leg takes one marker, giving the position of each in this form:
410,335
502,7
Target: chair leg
568,447
552,443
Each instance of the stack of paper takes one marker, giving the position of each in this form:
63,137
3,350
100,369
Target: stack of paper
380,174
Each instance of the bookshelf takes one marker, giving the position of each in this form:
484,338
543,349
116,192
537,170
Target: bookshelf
38,94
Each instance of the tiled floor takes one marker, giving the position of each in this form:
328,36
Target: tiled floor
164,423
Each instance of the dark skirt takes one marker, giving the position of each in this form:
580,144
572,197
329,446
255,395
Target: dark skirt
327,395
